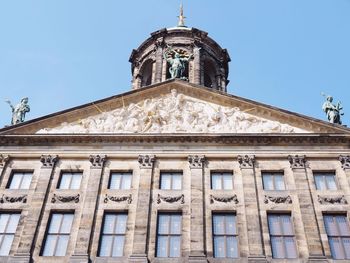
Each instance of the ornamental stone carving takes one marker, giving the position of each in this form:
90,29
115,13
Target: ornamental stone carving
173,113
196,161
117,199
97,161
345,161
146,161
65,199
170,199
13,199
246,161
48,161
227,199
325,200
278,199
3,160
297,161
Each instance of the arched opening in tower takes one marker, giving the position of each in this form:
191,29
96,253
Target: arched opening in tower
209,74
147,73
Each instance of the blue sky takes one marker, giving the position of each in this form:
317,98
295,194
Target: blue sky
63,53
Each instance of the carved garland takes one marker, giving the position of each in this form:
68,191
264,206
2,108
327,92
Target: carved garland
65,199
228,199
324,200
118,199
278,199
11,199
170,199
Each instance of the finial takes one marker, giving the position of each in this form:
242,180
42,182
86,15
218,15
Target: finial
181,17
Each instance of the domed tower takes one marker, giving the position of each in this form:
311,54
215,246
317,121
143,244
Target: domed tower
180,52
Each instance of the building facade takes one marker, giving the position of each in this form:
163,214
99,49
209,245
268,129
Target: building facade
175,171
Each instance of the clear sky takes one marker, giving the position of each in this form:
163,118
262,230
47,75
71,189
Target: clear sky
63,53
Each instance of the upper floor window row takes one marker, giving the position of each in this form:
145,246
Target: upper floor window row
20,180
273,181
70,181
325,181
222,181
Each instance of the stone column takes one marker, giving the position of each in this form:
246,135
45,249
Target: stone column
89,210
3,162
197,65
252,209
159,60
197,234
308,213
141,233
34,211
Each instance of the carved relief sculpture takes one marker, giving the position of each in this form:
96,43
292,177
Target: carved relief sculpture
65,199
118,199
297,161
246,161
97,160
170,199
345,161
12,199
325,200
278,199
4,159
146,161
48,160
196,161
228,199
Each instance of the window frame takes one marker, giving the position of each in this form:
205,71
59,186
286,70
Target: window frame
23,172
171,173
122,173
5,233
71,173
222,175
273,175
325,174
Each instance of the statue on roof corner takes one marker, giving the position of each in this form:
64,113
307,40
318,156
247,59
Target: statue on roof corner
332,111
19,111
177,62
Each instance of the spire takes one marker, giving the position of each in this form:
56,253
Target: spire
181,17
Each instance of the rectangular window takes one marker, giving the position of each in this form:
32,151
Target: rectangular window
57,234
8,226
338,231
225,236
282,236
120,180
70,181
222,181
113,235
20,180
171,181
325,181
273,181
169,235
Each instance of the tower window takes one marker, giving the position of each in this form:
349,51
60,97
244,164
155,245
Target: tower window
147,73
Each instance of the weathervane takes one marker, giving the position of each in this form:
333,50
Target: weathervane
181,17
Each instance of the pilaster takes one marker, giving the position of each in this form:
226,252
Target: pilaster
159,60
139,250
3,162
197,65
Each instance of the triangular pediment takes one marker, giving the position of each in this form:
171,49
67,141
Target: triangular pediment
174,107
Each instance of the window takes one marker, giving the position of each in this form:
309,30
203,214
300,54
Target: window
325,181
8,226
113,235
171,181
282,236
57,236
273,181
120,180
225,236
20,180
222,181
169,235
338,231
70,181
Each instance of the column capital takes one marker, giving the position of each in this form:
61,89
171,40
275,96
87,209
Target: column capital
345,161
146,161
4,159
246,161
97,161
196,161
297,161
48,161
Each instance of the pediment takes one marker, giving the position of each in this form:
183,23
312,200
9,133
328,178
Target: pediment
175,107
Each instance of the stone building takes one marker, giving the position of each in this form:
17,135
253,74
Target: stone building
176,170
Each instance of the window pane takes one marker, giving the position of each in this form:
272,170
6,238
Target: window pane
219,247
279,182
55,223
176,224
3,222
268,183
162,245
16,180
291,249
165,182
67,223
109,222
76,179
115,181
230,224
6,245
177,182
163,225
277,247
219,224
227,180
231,247
286,224
118,246
343,225
274,225
12,224
126,181
50,245
216,182
320,182
62,244
331,226
106,246
121,224
65,181
336,248
346,243
175,246
331,182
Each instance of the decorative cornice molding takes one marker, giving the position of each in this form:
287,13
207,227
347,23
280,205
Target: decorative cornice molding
297,161
117,199
170,199
345,161
146,161
3,160
65,199
325,200
97,161
246,161
196,161
278,199
13,199
48,161
221,199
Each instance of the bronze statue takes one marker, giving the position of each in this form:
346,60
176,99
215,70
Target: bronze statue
19,111
332,111
177,62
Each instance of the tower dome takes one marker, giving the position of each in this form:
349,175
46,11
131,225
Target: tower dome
180,52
